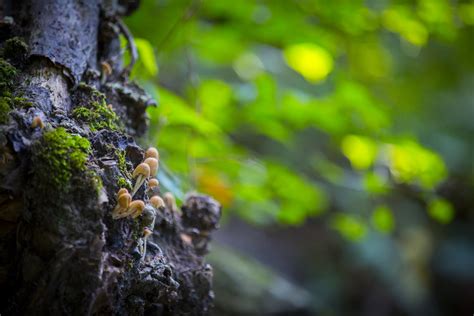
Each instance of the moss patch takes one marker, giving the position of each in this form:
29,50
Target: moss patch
15,50
4,109
122,162
97,182
20,102
7,74
59,156
93,110
7,103
123,183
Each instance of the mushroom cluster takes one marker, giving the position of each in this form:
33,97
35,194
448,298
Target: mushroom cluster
126,207
148,168
145,173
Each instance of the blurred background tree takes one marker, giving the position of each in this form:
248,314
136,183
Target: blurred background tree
338,135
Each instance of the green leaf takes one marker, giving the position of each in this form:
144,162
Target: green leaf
412,163
349,226
177,112
376,184
382,219
441,210
361,151
312,61
147,56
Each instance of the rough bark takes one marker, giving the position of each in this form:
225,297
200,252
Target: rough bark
68,115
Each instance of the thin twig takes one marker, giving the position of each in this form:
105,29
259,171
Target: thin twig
131,47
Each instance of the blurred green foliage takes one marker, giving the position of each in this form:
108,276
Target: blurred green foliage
284,110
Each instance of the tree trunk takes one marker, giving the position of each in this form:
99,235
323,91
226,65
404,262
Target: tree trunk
68,115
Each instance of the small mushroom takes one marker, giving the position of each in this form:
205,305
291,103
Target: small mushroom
153,183
124,200
153,163
123,203
37,122
146,232
170,202
134,209
141,173
106,68
137,208
122,191
152,152
157,202
153,187
186,239
106,71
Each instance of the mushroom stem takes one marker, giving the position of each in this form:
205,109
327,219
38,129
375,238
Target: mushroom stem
140,180
123,202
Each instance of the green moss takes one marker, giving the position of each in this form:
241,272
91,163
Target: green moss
7,100
59,156
98,117
123,183
122,161
93,110
90,91
15,50
97,181
4,109
7,74
7,103
20,102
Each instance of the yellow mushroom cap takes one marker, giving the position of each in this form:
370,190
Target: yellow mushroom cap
124,200
152,152
153,163
157,202
153,183
106,68
141,169
146,232
122,191
37,122
186,239
136,206
169,200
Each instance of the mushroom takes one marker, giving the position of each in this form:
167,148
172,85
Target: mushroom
134,209
37,122
152,183
157,202
153,153
137,208
170,202
153,163
123,203
121,191
106,68
141,172
186,239
146,232
106,71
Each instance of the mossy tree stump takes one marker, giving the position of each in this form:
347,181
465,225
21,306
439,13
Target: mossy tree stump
67,128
